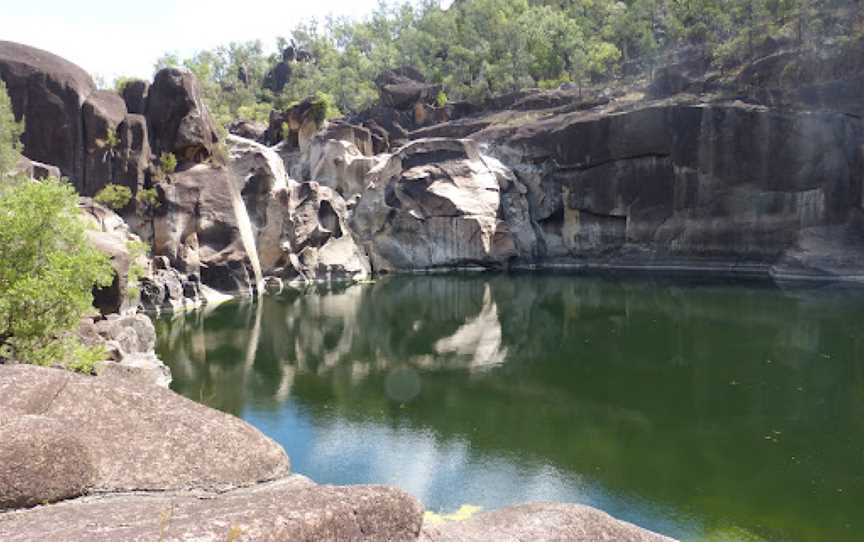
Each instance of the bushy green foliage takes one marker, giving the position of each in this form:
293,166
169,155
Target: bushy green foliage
441,99
168,163
114,196
137,251
10,135
47,273
148,197
482,47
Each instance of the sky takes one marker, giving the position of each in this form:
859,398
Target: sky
112,38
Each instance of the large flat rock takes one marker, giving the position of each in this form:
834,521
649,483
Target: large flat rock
291,509
540,522
129,437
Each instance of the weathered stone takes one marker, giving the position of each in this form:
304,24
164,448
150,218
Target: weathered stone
48,91
292,509
103,111
301,229
111,236
135,95
203,228
405,87
41,461
546,522
178,120
144,437
434,203
340,165
248,130
37,170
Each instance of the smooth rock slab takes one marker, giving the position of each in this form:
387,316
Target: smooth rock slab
141,437
546,522
291,509
41,461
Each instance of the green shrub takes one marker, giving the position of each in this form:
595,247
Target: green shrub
148,197
137,271
47,274
323,107
441,99
114,196
168,163
10,134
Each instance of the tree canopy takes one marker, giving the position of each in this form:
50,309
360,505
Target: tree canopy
477,48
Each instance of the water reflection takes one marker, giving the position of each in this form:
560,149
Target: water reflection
705,412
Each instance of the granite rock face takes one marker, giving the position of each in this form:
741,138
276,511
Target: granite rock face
301,229
48,91
688,185
434,204
203,228
178,118
542,521
137,438
290,509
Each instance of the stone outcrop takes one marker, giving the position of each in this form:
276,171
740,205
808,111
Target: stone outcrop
48,91
134,93
129,341
713,185
178,120
103,111
434,204
541,521
297,125
109,234
301,229
131,437
203,228
291,509
138,462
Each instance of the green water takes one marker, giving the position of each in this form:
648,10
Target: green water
705,412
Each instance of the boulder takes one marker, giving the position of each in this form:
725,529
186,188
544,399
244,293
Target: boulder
103,111
137,438
405,87
130,341
110,235
178,119
135,95
321,243
132,156
301,228
248,130
340,165
48,92
434,204
204,229
41,461
298,125
291,509
542,521
37,170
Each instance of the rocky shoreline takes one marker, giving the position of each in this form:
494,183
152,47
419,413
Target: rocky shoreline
114,458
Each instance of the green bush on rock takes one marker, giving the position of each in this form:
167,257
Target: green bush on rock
47,274
114,196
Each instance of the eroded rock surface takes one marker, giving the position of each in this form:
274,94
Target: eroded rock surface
137,437
291,509
543,521
434,204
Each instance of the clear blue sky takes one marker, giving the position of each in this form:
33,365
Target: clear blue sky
112,38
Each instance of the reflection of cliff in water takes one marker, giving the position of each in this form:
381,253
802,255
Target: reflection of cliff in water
713,399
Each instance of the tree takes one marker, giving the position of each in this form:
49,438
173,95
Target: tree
47,274
114,196
10,135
